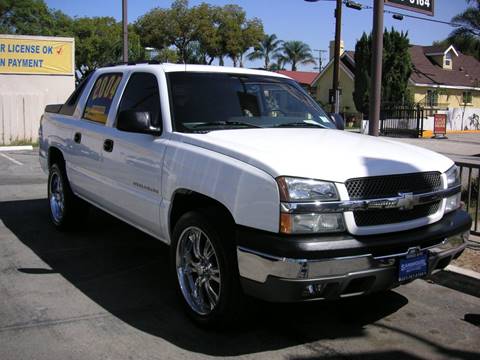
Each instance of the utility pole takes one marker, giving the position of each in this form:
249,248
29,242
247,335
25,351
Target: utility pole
320,62
125,30
377,53
336,61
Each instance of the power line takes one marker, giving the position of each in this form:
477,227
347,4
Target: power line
403,15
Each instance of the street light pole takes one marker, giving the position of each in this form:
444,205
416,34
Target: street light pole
377,53
125,30
336,61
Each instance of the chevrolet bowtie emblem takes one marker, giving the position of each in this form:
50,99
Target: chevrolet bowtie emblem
406,201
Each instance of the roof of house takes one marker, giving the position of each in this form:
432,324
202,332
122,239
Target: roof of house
465,71
302,77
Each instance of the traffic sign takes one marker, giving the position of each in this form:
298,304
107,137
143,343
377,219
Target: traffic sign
421,6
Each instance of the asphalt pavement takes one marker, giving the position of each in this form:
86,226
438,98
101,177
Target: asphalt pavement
103,292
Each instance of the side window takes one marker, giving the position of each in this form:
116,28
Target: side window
69,107
142,94
100,98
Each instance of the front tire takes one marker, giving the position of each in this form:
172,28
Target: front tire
65,207
203,260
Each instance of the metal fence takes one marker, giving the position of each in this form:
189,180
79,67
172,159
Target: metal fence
401,121
470,175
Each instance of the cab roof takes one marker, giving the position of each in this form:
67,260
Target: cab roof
166,67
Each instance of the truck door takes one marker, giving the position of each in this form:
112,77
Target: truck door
133,161
87,137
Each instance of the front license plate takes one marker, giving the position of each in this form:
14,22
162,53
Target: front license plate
413,267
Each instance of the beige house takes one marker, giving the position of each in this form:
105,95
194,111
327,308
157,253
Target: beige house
443,80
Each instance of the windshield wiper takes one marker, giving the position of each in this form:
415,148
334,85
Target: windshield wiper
300,124
223,123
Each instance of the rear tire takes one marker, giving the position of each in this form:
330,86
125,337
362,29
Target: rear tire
66,209
204,266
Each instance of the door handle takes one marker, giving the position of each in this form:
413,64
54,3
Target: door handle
77,138
108,145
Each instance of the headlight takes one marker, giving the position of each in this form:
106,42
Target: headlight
453,202
453,176
296,189
311,223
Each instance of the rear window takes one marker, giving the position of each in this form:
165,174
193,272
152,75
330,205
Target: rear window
100,98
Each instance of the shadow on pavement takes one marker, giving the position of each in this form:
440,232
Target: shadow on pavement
126,272
458,282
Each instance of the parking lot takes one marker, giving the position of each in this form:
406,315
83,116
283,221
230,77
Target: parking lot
104,293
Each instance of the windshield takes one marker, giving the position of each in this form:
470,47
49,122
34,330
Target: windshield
216,101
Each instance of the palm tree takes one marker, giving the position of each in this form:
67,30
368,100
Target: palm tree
469,20
296,53
467,37
266,49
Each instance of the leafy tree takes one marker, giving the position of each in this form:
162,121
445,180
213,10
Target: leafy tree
266,49
31,17
208,33
98,41
152,28
397,68
237,33
296,53
397,65
361,92
167,55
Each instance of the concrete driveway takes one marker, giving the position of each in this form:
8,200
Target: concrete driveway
104,293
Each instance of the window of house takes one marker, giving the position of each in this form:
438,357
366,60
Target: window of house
432,98
448,59
467,97
142,94
100,98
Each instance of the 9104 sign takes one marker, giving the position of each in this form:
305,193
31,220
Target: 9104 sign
422,6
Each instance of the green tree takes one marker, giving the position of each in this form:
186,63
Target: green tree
363,57
98,41
238,34
208,34
397,65
167,55
31,17
466,38
296,53
397,68
266,49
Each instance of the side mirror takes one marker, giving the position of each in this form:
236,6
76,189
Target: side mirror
137,122
338,120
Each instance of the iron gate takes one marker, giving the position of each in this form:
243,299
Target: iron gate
401,121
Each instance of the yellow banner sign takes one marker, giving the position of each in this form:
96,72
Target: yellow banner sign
36,55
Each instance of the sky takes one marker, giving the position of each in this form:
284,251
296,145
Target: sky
312,23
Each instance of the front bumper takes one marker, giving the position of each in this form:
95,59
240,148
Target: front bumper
285,269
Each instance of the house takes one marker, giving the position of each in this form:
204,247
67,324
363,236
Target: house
305,78
443,80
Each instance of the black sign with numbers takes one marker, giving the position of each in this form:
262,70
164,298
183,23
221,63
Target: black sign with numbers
421,6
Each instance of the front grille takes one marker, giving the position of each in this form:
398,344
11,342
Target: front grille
392,216
390,186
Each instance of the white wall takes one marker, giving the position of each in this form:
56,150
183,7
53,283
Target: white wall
22,102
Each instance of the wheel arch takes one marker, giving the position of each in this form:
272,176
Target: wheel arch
185,200
55,155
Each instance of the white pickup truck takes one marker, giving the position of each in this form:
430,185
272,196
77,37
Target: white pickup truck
250,183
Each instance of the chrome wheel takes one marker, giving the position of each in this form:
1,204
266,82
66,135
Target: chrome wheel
198,270
57,198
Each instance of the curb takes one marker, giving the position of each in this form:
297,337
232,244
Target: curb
16,148
460,279
462,271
